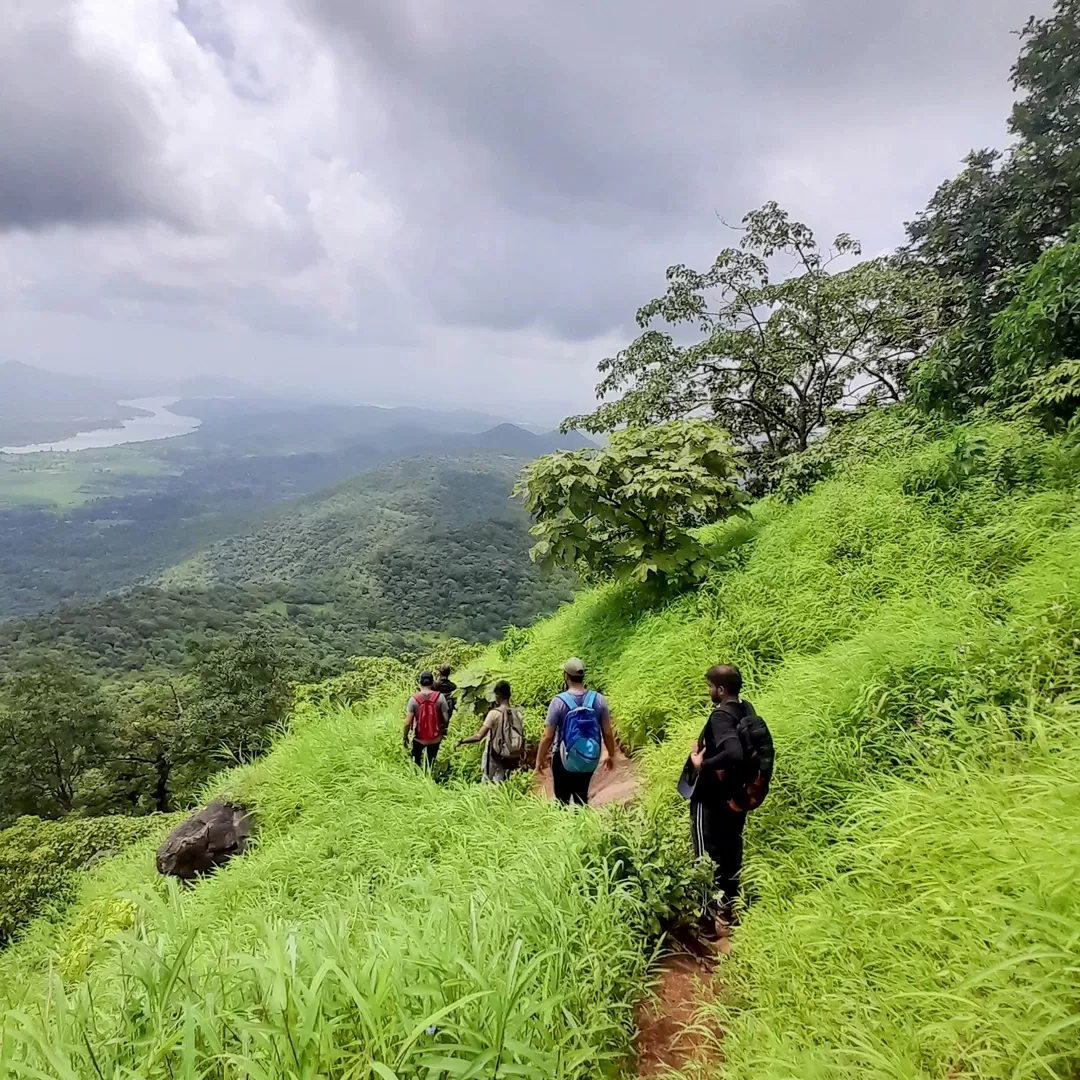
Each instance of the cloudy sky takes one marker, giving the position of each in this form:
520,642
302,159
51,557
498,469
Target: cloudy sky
460,201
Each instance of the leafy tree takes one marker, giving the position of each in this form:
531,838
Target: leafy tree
243,693
158,732
1046,121
775,356
628,509
53,728
985,226
1037,339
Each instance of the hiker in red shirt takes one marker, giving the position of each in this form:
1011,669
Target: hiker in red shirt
427,716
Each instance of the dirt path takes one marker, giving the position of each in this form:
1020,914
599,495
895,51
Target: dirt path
620,785
671,1038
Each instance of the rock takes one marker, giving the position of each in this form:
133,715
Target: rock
205,841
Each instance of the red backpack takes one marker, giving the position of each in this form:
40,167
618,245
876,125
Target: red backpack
428,718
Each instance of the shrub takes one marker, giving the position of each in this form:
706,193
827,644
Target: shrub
40,861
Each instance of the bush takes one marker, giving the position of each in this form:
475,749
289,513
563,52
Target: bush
40,861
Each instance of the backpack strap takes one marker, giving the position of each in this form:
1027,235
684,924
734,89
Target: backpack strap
590,700
568,700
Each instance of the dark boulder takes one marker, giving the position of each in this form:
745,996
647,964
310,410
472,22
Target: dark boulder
205,841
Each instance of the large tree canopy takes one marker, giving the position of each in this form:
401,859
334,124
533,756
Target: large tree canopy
775,353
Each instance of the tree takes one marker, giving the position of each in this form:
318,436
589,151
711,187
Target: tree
628,509
1037,340
775,357
243,693
53,729
984,227
1046,121
156,733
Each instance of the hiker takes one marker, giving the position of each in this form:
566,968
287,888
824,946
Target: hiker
505,733
726,776
447,689
427,717
577,719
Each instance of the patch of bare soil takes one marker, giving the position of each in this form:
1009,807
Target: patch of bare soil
619,784
672,1038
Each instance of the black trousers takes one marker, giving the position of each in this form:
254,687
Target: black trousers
569,786
418,752
717,831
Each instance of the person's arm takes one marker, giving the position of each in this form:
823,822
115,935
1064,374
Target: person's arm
551,725
543,751
480,735
608,733
410,719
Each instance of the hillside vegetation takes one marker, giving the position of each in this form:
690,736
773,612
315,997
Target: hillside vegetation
910,629
426,545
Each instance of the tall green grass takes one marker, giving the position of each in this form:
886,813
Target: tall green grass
911,630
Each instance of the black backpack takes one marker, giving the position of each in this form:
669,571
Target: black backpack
758,756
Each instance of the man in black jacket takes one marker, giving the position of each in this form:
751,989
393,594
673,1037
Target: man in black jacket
447,689
716,823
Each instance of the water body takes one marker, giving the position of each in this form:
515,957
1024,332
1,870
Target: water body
161,424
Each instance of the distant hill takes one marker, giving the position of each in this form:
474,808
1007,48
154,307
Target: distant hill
415,548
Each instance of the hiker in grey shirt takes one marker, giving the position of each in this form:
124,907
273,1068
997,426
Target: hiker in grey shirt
427,717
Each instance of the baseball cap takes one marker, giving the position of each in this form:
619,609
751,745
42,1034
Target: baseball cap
574,668
427,679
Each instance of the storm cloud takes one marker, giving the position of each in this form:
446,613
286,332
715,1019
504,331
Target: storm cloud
360,195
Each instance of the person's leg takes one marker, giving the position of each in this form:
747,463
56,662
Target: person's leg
581,784
417,752
701,842
432,751
727,851
561,779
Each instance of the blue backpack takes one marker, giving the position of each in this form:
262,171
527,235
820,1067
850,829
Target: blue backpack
579,742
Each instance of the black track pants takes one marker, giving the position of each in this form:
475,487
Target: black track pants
569,786
717,831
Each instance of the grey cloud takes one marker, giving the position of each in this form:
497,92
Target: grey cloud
79,142
552,158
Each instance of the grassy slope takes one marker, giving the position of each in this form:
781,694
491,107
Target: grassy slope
911,634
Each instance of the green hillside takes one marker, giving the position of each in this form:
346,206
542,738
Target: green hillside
426,545
909,628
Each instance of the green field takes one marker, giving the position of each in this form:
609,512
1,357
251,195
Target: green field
909,632
63,481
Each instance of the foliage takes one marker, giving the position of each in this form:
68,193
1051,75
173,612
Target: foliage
40,861
1038,332
628,508
908,627
370,675
983,228
53,721
776,355
371,568
387,906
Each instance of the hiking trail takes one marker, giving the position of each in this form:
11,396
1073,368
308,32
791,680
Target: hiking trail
619,785
671,1036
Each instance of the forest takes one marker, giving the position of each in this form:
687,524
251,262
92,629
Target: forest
859,483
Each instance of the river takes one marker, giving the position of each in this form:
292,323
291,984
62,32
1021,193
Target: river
161,424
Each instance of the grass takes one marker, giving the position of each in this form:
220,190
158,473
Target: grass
67,480
913,637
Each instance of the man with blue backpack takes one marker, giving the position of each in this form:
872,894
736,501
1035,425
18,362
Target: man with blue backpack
578,720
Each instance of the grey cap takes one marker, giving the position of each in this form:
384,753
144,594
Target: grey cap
574,668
